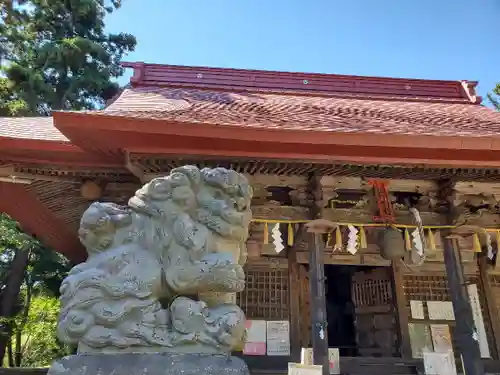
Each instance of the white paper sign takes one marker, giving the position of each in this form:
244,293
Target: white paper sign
256,337
306,358
477,314
417,309
300,369
278,338
439,363
440,310
441,338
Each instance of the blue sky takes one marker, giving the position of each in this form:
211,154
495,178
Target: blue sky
435,39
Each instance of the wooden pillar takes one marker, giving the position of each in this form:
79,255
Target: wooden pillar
319,330
319,323
294,300
402,310
465,328
491,306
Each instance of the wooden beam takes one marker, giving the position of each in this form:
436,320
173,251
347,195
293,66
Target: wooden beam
465,328
134,169
319,330
402,309
489,299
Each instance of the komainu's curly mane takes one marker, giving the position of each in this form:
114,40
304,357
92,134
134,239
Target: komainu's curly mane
189,204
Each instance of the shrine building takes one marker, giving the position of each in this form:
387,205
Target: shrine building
408,170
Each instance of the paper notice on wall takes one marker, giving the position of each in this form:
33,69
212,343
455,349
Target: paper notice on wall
420,339
440,363
300,369
278,338
441,338
334,360
477,315
306,358
256,337
417,309
440,310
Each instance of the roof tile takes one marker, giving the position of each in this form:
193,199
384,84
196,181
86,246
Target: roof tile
37,128
307,113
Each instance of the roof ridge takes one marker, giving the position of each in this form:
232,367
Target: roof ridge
229,79
297,93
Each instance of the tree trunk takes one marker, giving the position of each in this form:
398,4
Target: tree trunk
10,296
20,327
18,354
10,354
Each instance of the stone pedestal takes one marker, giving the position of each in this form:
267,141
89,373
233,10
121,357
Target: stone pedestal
149,364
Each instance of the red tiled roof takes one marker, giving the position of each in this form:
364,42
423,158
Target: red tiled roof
288,101
36,128
308,113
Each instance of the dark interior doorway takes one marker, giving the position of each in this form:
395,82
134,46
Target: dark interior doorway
361,311
340,309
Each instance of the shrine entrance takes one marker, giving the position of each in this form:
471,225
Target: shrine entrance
340,309
361,311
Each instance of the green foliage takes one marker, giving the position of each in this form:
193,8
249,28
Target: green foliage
57,55
39,345
11,239
33,338
46,268
494,97
54,55
11,236
10,103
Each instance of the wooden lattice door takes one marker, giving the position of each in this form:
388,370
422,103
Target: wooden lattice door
375,313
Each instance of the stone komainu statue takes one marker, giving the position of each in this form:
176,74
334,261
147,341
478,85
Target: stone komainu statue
162,272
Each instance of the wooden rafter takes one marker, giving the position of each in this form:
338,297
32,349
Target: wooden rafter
160,164
37,220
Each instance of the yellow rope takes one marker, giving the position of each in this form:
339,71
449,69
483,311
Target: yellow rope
369,225
408,243
285,221
266,233
290,234
476,243
338,239
432,239
363,243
